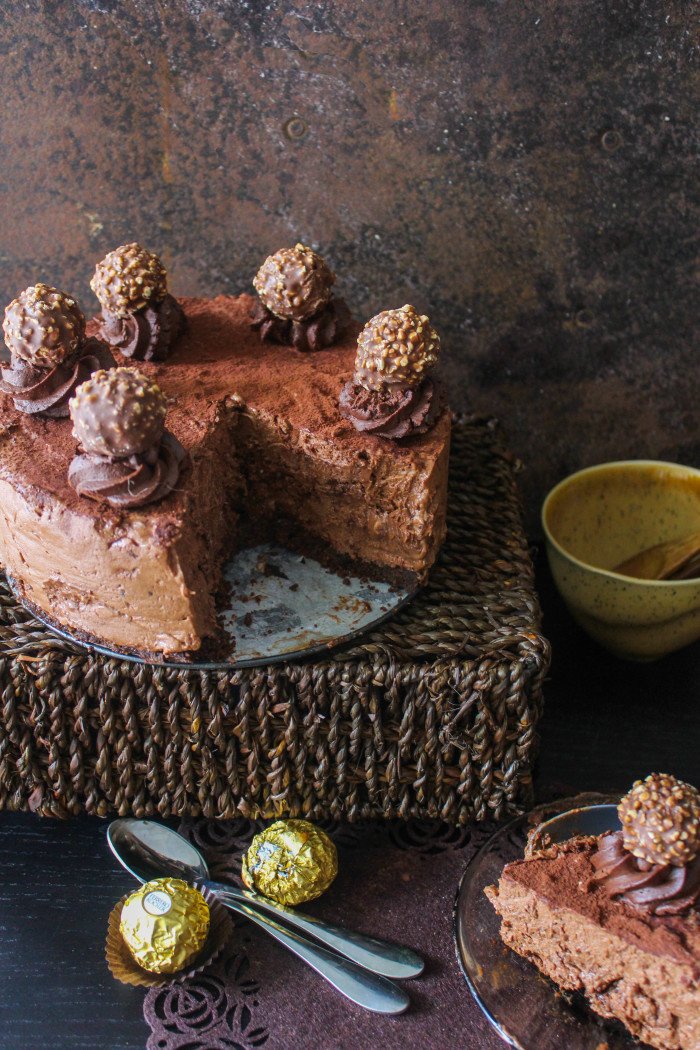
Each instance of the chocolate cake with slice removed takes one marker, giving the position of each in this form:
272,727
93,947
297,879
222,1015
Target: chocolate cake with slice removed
616,917
267,456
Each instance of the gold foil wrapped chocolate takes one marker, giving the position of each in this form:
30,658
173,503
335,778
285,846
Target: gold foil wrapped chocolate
291,861
164,924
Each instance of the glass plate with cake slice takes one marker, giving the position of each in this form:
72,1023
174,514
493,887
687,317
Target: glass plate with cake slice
580,928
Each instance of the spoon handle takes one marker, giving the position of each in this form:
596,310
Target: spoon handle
383,957
354,982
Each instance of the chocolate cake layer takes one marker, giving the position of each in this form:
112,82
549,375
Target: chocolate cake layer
640,968
268,452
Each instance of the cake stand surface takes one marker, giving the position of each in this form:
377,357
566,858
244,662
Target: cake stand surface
278,605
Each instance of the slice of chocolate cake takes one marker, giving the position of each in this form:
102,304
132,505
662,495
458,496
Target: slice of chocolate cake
267,455
616,917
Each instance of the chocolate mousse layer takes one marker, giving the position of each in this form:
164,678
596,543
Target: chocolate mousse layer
267,452
639,967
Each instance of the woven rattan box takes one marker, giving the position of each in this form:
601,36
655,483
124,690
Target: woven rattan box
433,714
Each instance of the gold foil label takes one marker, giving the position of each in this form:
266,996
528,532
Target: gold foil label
157,903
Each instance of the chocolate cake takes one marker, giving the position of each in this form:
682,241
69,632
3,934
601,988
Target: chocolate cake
266,455
621,927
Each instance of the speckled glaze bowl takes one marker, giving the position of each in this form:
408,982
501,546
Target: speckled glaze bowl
598,517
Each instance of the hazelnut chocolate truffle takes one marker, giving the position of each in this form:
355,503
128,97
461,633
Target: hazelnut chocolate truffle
164,924
128,279
292,861
294,283
660,819
43,326
118,413
396,348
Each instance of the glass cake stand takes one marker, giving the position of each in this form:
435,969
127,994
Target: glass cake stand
278,605
527,1010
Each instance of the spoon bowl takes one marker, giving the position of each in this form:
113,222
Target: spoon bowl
144,847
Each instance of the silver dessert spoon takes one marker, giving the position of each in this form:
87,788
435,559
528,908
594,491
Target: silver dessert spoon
357,965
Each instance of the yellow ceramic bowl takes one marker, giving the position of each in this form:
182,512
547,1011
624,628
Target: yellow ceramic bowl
594,520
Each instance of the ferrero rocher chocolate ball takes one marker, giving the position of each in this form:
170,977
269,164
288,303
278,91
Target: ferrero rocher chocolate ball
118,413
164,924
294,283
291,861
43,326
128,279
397,347
660,819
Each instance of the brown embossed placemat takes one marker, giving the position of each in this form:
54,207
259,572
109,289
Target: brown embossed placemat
396,880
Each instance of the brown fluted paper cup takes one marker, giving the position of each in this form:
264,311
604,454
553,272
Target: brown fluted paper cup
125,968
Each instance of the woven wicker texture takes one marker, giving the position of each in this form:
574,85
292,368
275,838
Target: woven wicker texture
434,714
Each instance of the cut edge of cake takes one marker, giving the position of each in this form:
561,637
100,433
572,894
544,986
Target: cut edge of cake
631,965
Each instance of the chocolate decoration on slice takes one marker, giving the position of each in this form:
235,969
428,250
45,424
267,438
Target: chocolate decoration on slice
659,889
660,819
315,333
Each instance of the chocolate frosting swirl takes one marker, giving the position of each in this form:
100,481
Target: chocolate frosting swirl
149,334
133,482
395,412
47,391
315,333
660,889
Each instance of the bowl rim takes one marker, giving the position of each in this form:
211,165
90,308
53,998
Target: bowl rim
609,573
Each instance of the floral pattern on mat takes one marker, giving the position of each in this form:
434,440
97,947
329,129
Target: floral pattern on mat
216,1010
242,1001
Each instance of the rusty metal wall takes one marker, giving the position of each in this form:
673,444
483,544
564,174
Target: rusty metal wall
525,172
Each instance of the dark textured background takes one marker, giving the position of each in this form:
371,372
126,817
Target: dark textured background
527,173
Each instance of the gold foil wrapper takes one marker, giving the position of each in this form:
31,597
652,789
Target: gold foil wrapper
164,924
124,967
291,861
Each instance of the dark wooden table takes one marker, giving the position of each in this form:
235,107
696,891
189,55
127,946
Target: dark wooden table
606,723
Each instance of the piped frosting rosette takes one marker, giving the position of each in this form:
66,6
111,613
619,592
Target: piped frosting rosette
45,333
295,305
653,862
139,318
392,393
127,458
